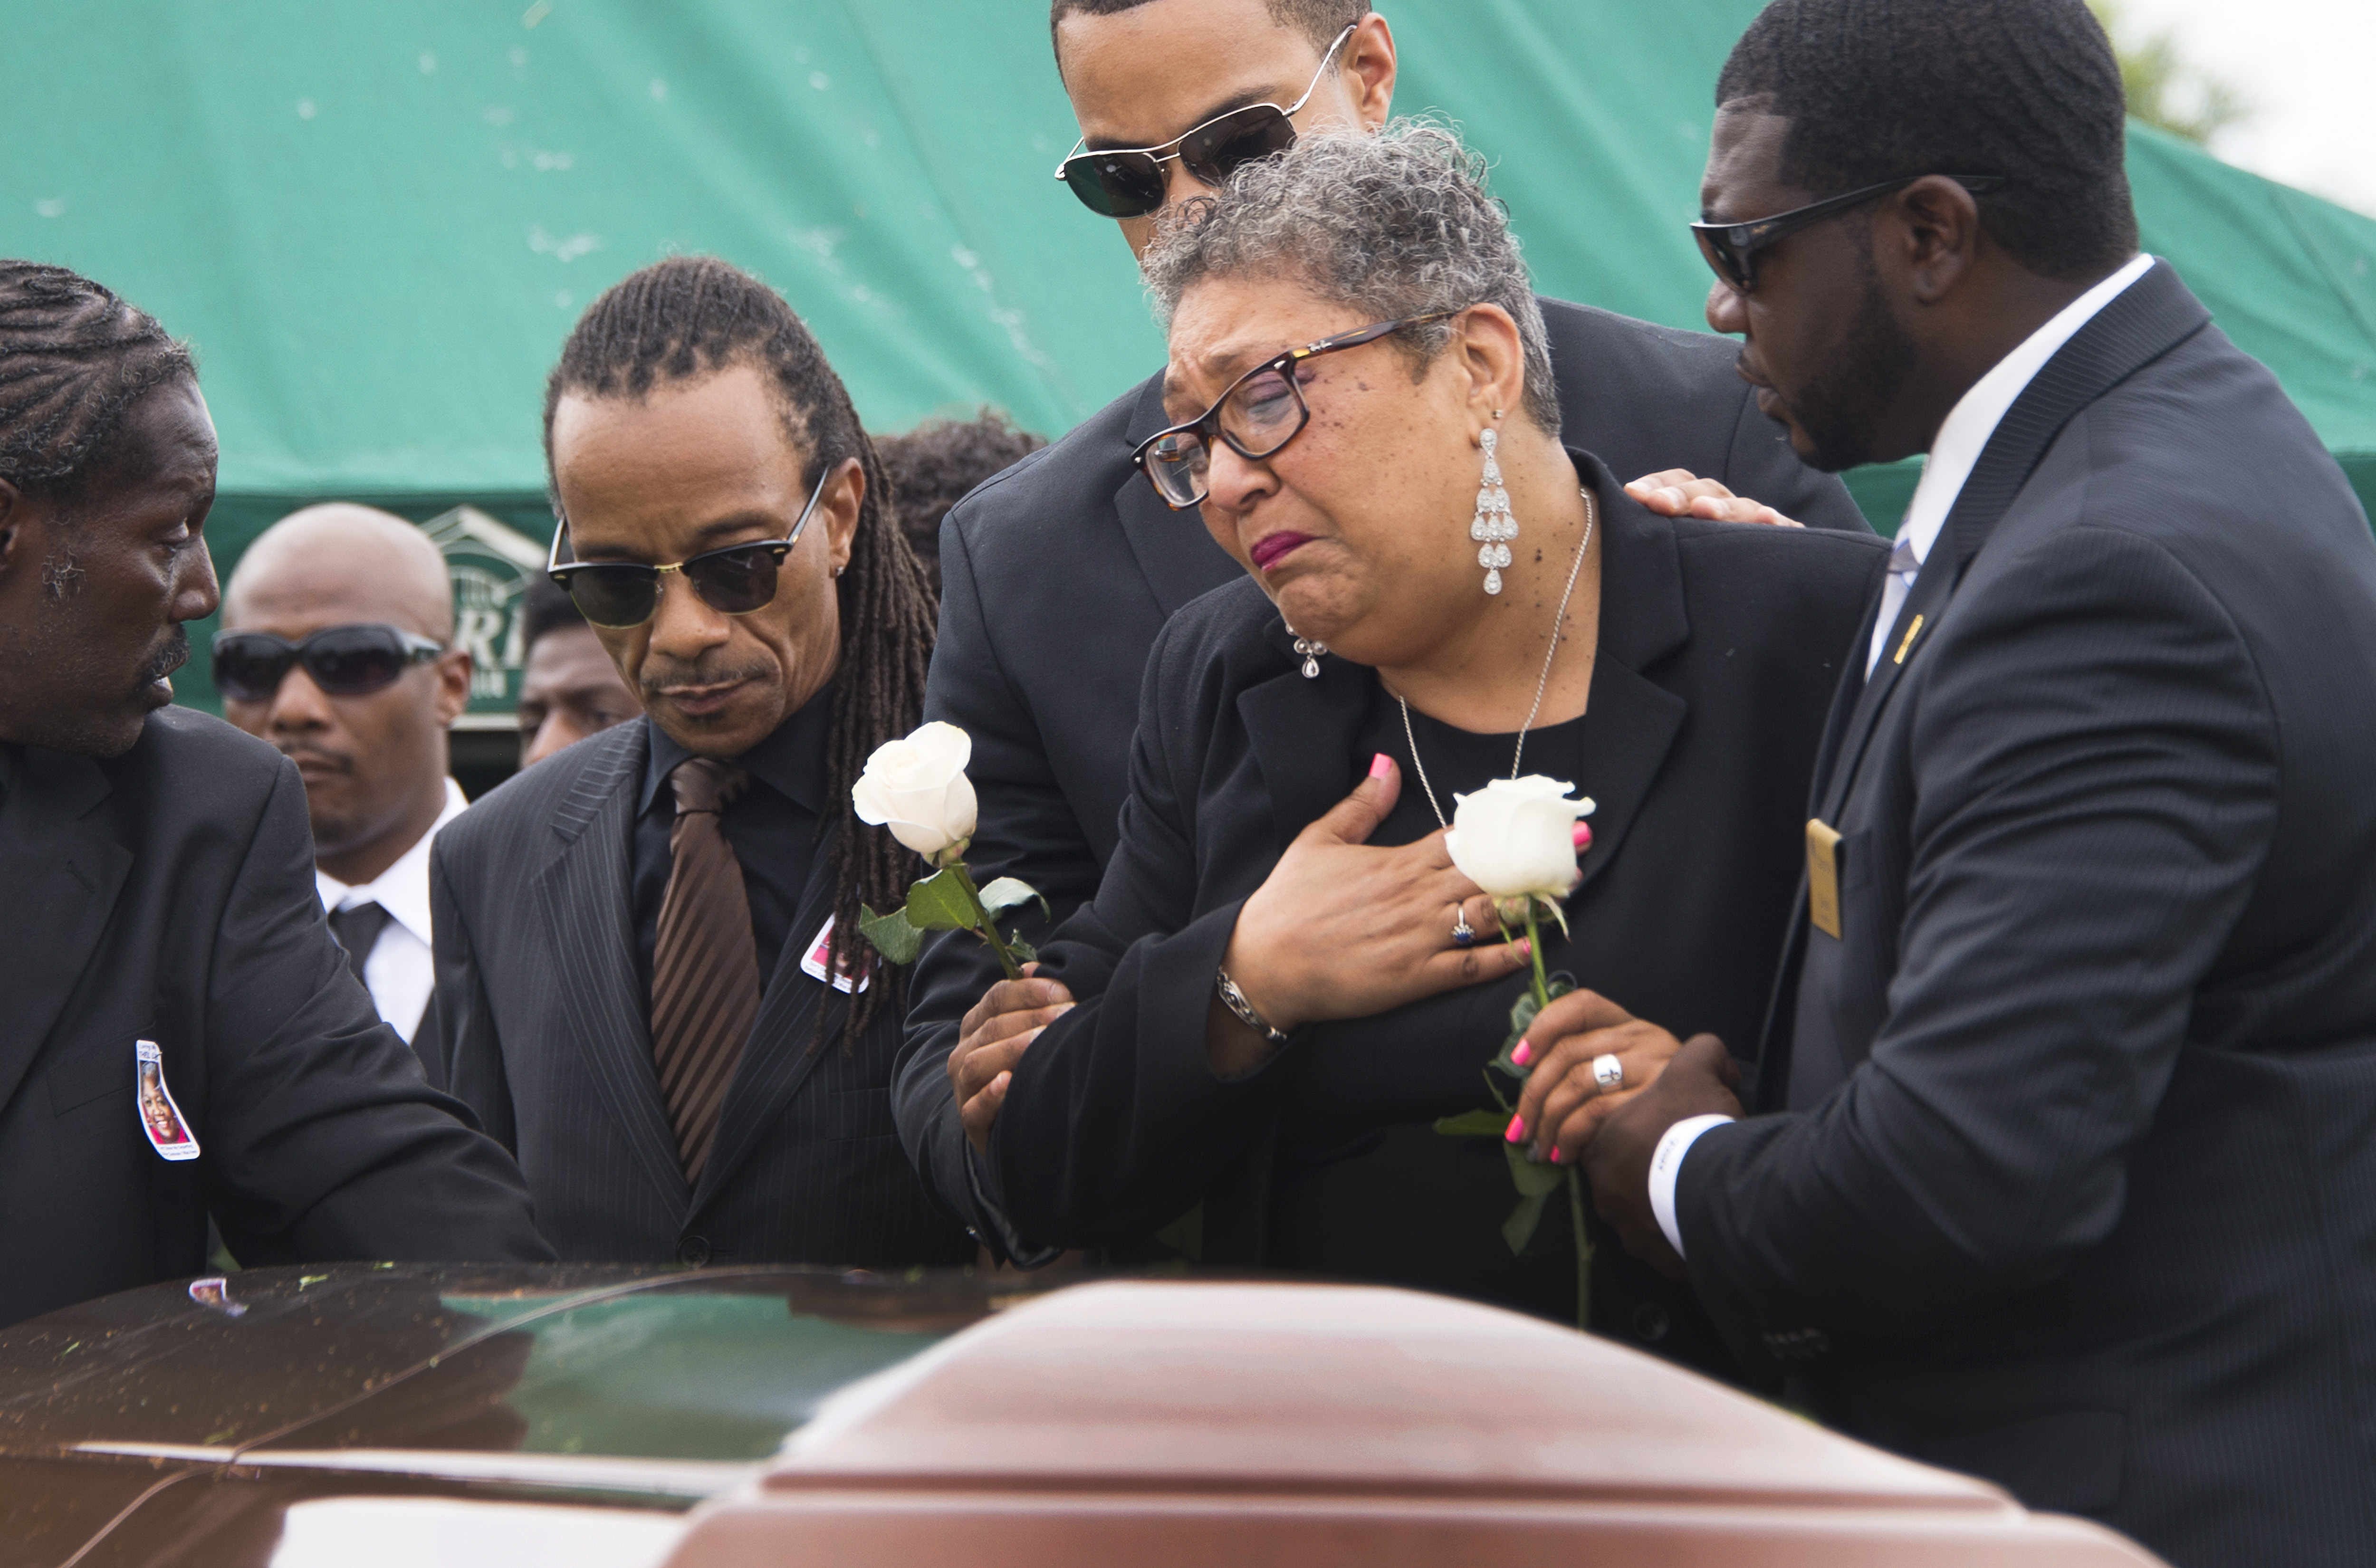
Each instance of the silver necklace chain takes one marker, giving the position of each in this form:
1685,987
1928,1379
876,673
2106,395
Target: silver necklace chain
1542,682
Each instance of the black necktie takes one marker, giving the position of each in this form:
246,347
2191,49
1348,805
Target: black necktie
356,930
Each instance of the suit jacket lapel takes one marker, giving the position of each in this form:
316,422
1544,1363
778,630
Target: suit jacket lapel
1302,732
584,897
784,1046
63,870
2141,324
1178,557
1630,721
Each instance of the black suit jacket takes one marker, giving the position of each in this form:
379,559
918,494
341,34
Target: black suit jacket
1057,575
1719,647
2094,1212
168,894
547,1033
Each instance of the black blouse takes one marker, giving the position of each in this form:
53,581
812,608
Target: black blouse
1720,645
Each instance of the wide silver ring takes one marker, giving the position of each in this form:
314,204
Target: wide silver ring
1463,933
1608,1072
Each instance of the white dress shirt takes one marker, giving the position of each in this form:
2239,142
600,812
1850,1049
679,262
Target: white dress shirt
1962,437
397,971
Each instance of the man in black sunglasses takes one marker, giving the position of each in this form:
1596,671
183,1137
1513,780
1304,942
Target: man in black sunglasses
159,924
1058,575
2056,1165
334,650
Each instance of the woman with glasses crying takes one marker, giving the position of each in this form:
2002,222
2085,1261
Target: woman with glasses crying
1284,981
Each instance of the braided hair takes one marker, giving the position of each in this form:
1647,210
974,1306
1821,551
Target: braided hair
691,316
73,358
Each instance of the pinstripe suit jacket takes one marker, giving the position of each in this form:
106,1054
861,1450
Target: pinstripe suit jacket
2090,1207
545,1031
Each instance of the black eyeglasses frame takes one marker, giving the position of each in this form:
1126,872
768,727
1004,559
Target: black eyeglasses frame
1198,164
561,571
1730,249
412,649
1206,425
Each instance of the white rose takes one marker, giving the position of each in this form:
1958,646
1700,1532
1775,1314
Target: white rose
917,787
1516,837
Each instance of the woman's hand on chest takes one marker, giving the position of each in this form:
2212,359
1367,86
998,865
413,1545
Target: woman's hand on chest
1343,929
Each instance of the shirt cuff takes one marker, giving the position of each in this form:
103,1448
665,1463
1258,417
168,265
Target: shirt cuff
1667,1166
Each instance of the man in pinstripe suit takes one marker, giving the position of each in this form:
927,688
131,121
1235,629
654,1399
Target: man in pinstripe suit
642,985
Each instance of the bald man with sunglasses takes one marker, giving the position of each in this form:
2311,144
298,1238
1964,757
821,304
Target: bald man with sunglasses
1058,574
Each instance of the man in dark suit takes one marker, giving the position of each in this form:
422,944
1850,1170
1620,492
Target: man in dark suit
1057,576
650,981
2062,1171
179,1034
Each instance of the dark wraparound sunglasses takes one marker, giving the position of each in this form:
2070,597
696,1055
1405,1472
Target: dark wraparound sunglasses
1260,412
1128,181
732,581
345,661
1731,248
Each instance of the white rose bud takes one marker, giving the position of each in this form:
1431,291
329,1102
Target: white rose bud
918,789
1516,837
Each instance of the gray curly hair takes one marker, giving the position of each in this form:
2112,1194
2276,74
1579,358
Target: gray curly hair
1399,223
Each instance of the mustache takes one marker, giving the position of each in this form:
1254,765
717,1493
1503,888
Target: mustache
302,752
171,655
657,678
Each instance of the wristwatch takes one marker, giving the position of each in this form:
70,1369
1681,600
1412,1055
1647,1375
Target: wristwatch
1235,1001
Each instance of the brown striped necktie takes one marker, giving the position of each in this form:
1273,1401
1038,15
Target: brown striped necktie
705,964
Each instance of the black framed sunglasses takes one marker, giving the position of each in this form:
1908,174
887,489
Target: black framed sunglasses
1128,181
1260,412
344,662
732,581
1731,248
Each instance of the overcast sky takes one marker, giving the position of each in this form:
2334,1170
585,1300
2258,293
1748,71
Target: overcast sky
2303,68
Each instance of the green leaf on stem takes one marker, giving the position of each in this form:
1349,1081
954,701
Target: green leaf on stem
1519,1228
1010,893
1473,1125
1532,1177
938,903
1024,952
894,935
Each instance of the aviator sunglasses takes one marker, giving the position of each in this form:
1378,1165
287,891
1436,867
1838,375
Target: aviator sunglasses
1128,181
1260,412
344,662
732,581
1731,248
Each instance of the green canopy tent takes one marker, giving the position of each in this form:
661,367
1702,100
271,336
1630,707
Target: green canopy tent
377,222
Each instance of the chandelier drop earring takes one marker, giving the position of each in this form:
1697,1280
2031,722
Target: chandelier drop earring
1310,650
1493,527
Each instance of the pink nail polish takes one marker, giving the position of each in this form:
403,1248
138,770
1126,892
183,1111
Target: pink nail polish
1584,835
1524,1054
1381,765
1517,1130
1526,945
1555,1154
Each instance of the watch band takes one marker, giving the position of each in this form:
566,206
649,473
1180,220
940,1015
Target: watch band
1235,1001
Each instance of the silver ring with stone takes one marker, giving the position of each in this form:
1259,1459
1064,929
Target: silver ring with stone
1463,933
1608,1073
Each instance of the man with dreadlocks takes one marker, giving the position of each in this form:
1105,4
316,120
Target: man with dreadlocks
649,975
180,1036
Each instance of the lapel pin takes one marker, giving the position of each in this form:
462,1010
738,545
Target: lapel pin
1911,633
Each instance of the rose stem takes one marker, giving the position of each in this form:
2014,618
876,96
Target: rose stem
987,928
1582,1250
1534,951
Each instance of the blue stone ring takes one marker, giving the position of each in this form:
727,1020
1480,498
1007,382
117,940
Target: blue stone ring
1463,933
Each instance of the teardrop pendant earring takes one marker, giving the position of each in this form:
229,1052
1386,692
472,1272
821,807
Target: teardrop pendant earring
1493,527
1310,650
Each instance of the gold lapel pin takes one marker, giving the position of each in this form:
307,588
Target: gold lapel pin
1911,633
